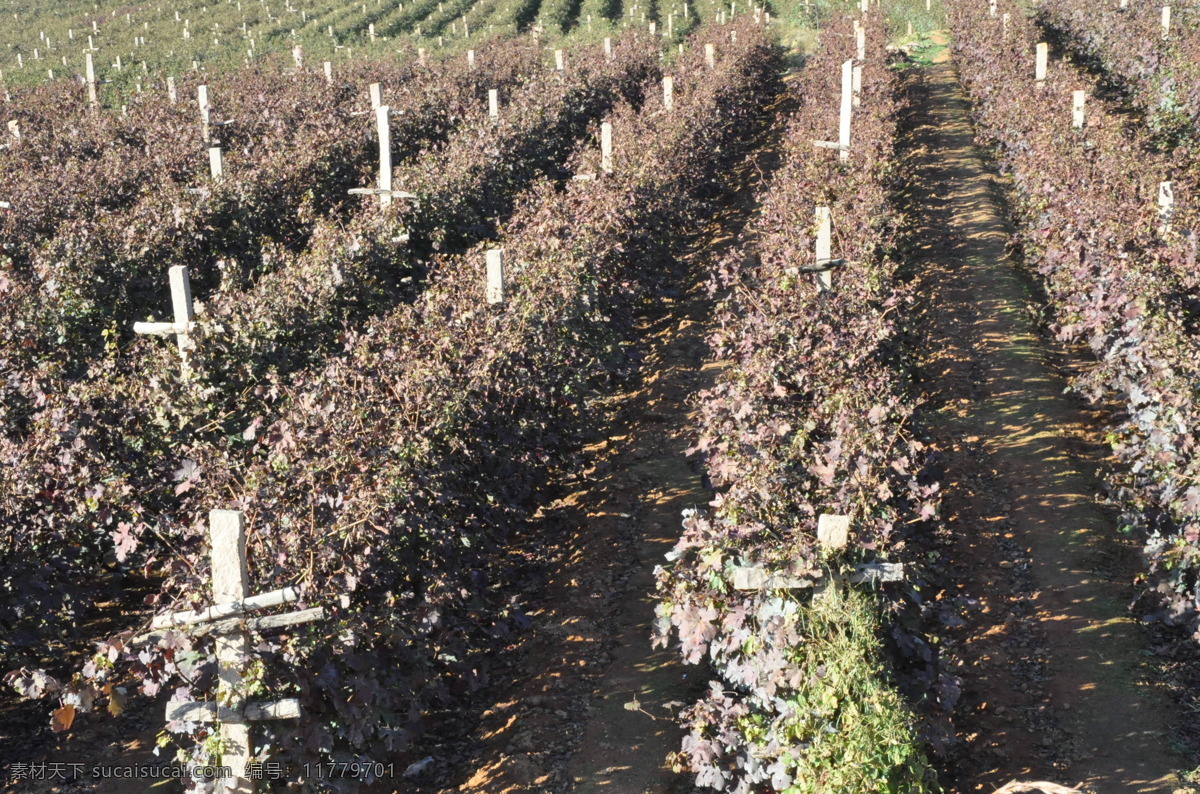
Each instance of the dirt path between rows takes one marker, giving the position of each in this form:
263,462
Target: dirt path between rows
591,707
1053,687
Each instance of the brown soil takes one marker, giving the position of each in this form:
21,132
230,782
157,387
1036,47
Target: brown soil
1051,660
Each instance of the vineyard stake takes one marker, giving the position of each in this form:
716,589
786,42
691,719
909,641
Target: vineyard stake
298,56
1166,207
181,304
91,80
1166,21
710,56
383,123
860,41
1042,63
171,94
14,130
824,248
844,116
471,59
493,103
328,67
856,86
376,94
205,112
668,92
606,159
1077,113
231,582
558,60
216,164
608,47
495,276
231,591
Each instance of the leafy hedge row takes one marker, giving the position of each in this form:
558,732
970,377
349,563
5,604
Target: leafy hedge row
92,460
1162,77
1087,204
810,418
383,480
96,261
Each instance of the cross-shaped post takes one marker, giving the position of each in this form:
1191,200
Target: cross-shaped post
231,582
384,191
181,303
833,533
227,619
845,114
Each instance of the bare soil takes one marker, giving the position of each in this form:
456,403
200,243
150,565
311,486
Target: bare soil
1055,686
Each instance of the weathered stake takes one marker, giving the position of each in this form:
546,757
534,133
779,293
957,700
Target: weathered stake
1166,206
1042,63
216,164
231,582
669,92
495,276
824,248
1077,112
181,304
383,123
606,159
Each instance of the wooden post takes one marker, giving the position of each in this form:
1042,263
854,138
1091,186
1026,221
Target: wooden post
231,582
205,112
824,250
1042,63
328,66
181,303
421,55
371,31
607,47
1004,23
1077,115
558,60
1166,21
171,93
91,80
860,41
992,8
495,276
856,85
471,59
1166,206
833,532
847,110
653,29
669,92
376,94
216,164
298,56
606,161
710,56
385,154
493,103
